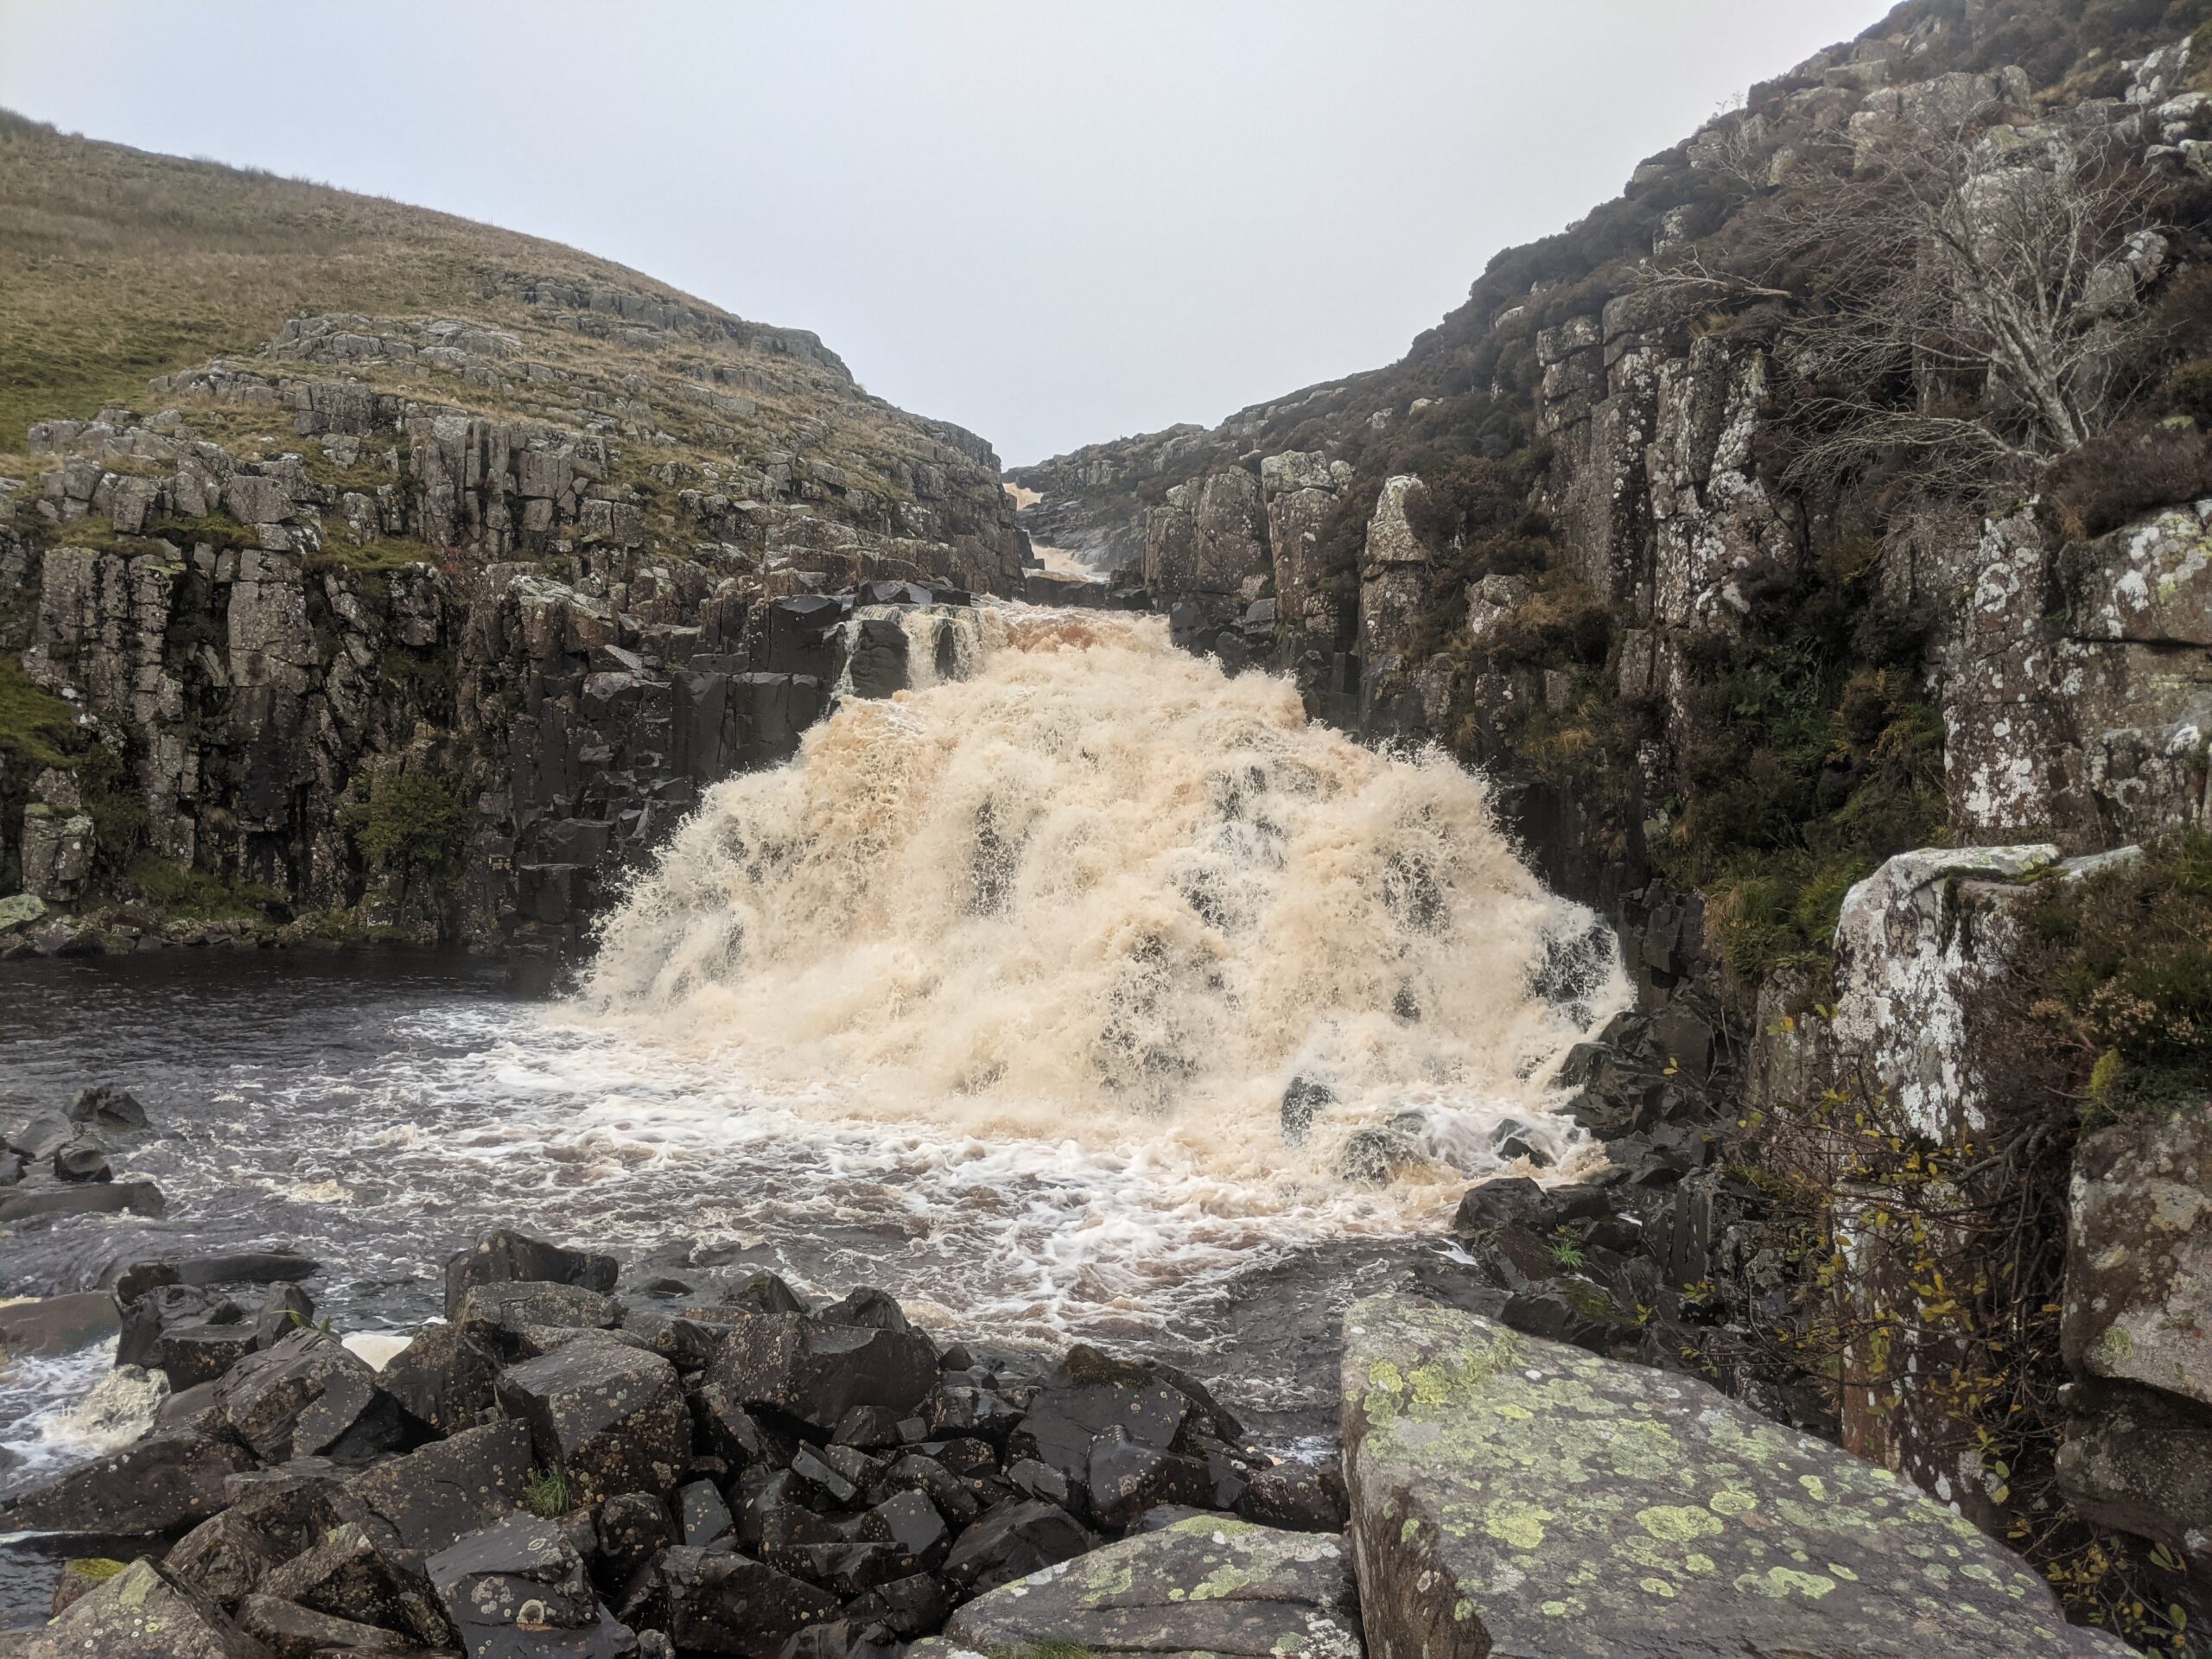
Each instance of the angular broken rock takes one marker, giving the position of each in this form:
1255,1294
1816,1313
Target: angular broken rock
499,1257
161,1484
309,1396
518,1304
1206,1585
1511,1495
224,1557
357,1573
518,1590
142,1613
443,1492
1010,1543
818,1372
714,1601
291,1631
442,1379
612,1418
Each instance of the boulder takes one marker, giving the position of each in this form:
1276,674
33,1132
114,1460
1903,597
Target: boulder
718,1602
1011,1541
2140,1461
1205,1584
516,1304
518,1590
612,1418
142,1613
308,1397
2138,1262
500,1256
443,1379
819,1372
291,1631
163,1484
631,1528
56,1326
356,1573
21,1206
445,1491
104,1106
1511,1495
224,1557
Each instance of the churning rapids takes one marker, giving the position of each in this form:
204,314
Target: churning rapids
990,998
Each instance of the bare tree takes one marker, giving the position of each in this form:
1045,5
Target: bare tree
1947,299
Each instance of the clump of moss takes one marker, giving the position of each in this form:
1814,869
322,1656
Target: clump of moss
175,891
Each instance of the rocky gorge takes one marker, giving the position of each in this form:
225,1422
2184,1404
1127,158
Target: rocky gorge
1809,549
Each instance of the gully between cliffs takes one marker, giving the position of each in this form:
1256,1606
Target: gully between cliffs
992,998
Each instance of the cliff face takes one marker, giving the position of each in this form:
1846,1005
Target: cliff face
1836,493
383,623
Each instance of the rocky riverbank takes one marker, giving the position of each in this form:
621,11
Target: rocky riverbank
573,1465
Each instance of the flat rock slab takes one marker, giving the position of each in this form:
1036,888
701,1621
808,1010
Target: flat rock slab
1207,1585
1516,1497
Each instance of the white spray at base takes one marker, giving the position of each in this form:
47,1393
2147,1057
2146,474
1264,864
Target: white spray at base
1086,888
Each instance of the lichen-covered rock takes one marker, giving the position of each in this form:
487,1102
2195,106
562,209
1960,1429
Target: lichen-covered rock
142,1613
1512,1496
1205,1584
2139,1264
160,1484
613,1418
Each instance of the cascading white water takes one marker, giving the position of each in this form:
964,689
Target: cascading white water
1087,888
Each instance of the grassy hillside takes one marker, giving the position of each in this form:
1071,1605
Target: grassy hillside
116,265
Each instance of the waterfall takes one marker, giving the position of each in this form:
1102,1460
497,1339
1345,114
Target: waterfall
1082,886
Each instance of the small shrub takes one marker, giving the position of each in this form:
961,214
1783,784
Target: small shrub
2136,469
411,821
2189,391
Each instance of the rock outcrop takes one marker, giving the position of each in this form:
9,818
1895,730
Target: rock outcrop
1513,1496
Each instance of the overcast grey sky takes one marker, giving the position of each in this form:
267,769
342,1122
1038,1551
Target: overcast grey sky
1053,221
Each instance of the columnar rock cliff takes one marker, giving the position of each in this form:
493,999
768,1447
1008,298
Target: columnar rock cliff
422,625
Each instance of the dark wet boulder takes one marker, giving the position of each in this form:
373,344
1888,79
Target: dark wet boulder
844,1638
630,1528
56,1326
130,1280
142,1613
499,1257
764,1292
448,1488
1040,1480
907,1607
818,1372
868,1310
1510,1201
685,1337
292,1505
291,1631
918,1473
897,1539
511,1306
284,1309
147,1319
20,1205
1126,1479
163,1484
1517,1496
1010,1543
518,1590
104,1106
308,1397
82,1160
1306,1099
703,1518
360,1572
877,666
1204,1585
729,1432
717,1602
443,1379
224,1557
1062,1422
1295,1497
80,1578
610,1418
